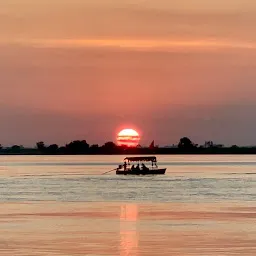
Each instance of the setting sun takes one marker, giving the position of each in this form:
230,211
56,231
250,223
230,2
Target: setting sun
128,137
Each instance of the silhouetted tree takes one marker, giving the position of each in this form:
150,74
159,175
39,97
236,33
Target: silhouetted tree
94,149
77,147
40,146
94,146
110,148
16,149
109,145
52,149
186,143
62,150
208,144
218,145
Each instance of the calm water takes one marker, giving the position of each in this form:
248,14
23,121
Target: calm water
62,205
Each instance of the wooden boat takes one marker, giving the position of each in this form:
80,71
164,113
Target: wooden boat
140,169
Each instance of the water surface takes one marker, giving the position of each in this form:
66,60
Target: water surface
63,205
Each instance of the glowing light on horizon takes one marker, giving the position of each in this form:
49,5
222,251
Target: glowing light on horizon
128,137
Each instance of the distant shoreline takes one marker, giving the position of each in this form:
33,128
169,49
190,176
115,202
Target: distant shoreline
81,147
223,151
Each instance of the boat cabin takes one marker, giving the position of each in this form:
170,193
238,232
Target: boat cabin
130,162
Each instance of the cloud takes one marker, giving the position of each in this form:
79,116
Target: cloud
152,20
151,45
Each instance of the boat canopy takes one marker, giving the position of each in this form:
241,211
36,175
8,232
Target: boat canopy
143,158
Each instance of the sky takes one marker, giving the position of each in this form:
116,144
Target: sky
85,69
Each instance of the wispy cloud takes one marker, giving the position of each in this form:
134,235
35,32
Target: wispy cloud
133,44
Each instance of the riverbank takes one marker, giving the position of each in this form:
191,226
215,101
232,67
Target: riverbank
133,151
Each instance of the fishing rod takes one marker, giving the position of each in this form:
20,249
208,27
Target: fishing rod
108,171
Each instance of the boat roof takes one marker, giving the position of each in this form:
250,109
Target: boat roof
141,158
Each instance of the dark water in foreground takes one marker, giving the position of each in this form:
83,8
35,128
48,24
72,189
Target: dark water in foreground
62,205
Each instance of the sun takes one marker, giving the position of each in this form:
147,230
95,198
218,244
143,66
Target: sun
128,137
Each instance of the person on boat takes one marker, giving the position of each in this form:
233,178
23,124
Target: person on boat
138,167
133,167
144,167
125,165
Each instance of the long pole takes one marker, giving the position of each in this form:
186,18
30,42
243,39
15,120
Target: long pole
108,171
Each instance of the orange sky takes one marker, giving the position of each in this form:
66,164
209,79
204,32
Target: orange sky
155,64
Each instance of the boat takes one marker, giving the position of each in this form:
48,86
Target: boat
141,168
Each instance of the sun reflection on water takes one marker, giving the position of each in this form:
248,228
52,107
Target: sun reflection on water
128,230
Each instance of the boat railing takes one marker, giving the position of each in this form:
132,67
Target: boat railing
129,167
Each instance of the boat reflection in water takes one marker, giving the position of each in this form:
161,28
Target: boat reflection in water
128,229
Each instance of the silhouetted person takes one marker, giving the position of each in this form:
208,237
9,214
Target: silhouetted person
125,165
144,167
133,167
138,167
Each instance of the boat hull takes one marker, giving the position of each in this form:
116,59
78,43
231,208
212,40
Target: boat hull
141,172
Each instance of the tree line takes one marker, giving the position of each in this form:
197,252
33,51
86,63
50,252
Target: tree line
185,146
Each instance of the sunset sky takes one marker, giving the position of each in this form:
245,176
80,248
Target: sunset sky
84,69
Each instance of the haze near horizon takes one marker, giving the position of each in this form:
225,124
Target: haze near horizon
74,69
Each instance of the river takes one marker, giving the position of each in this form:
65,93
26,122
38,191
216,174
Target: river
63,205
